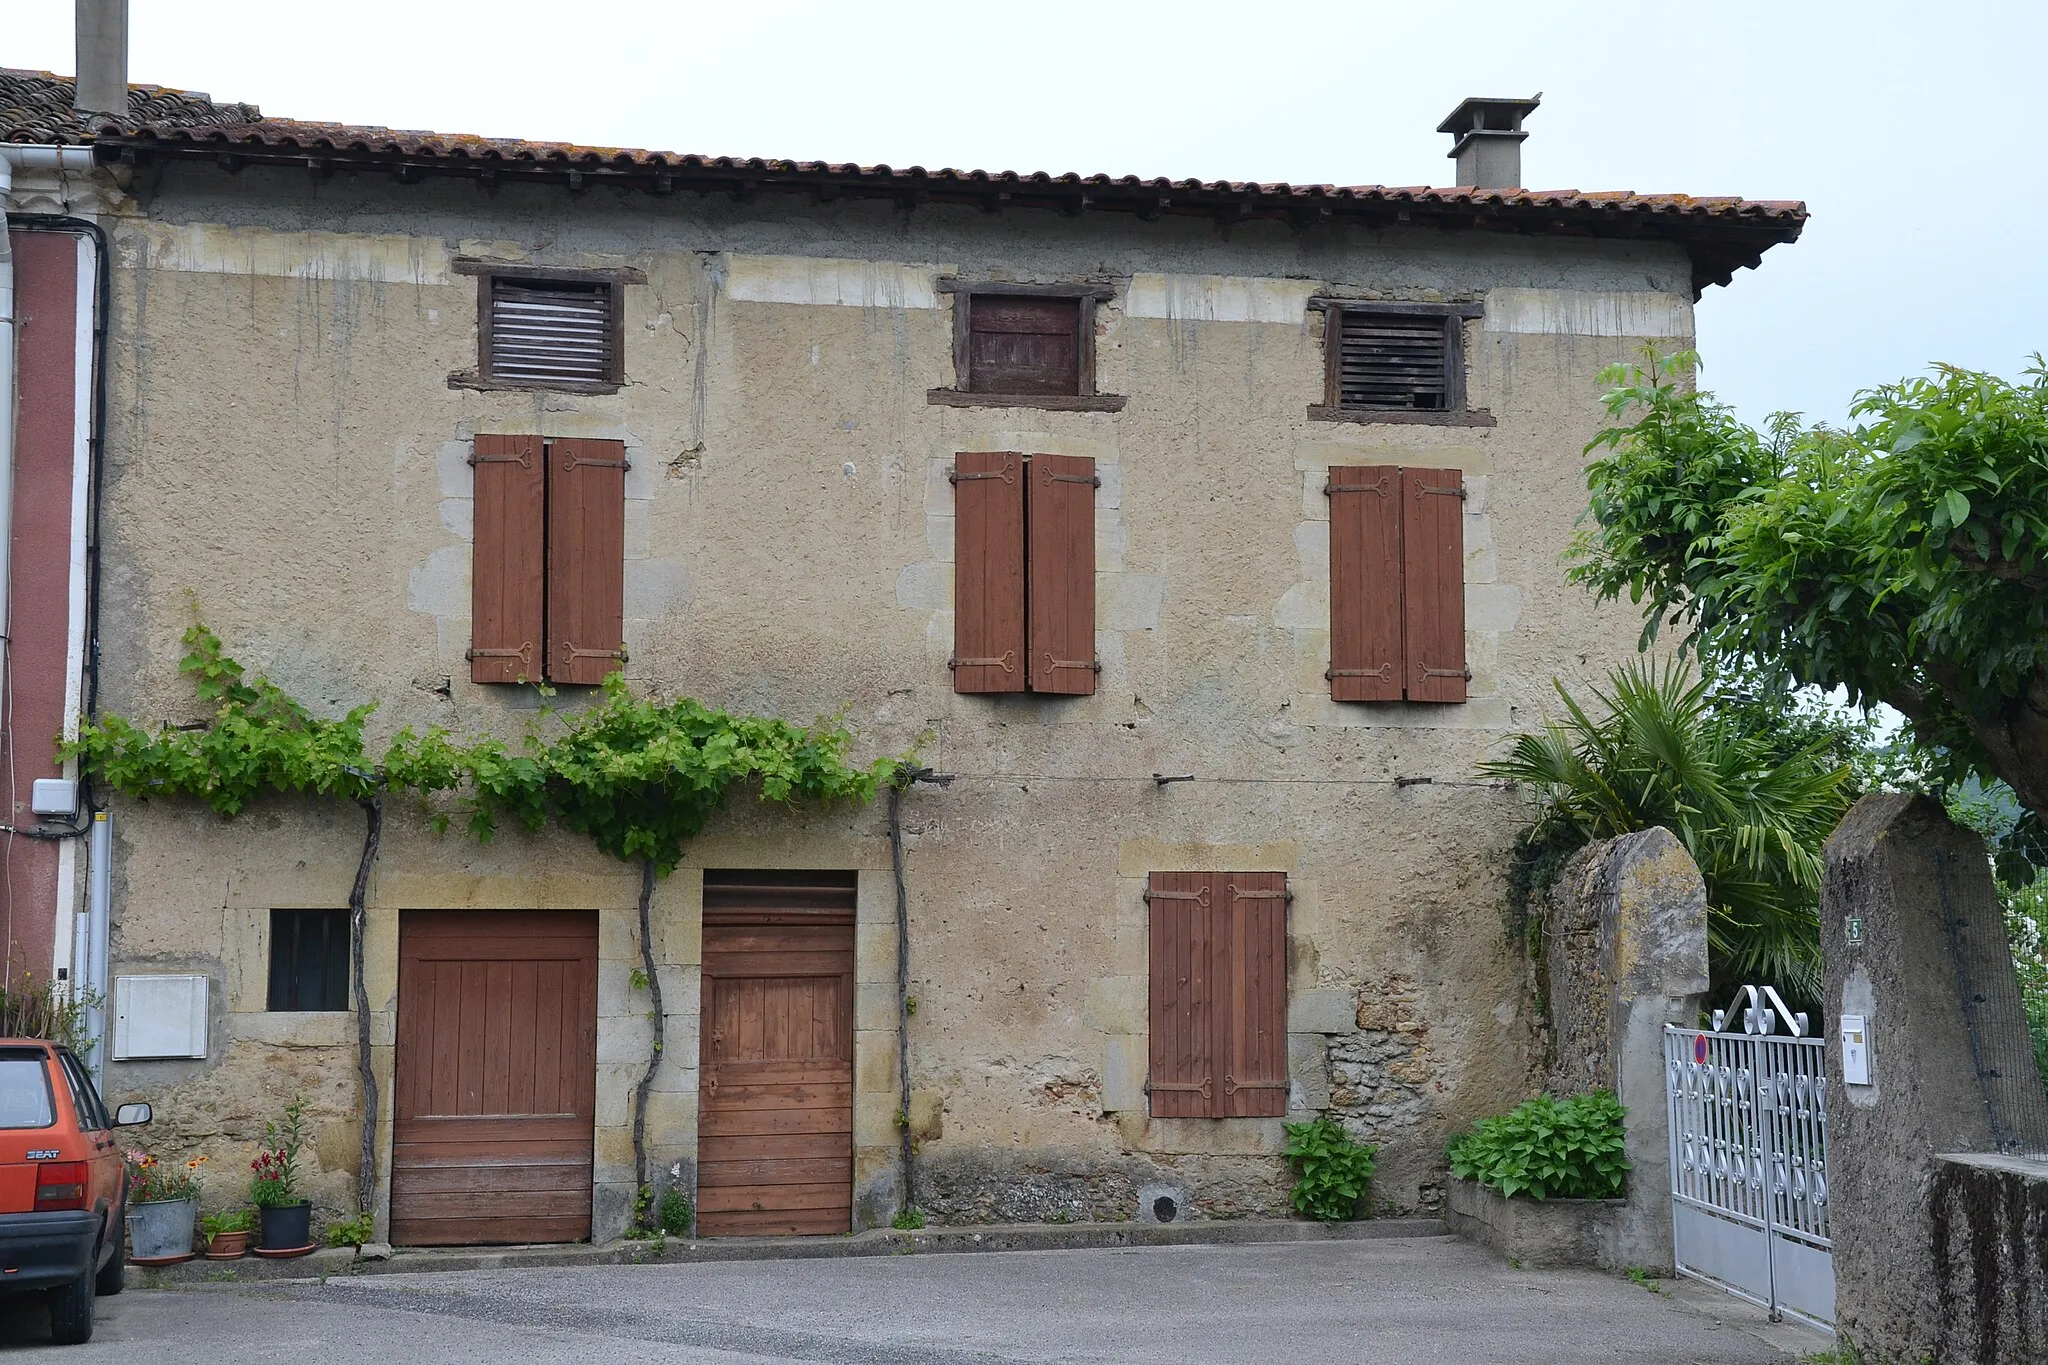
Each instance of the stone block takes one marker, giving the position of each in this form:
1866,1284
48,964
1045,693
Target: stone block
672,1120
1124,1066
874,1005
1116,1004
874,952
1540,1233
1324,1010
874,1062
927,1116
1308,1070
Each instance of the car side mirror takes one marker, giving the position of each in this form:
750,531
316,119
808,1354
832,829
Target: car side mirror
130,1115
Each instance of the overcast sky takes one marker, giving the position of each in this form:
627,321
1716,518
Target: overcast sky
1913,131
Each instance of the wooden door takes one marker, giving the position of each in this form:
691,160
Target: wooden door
496,1085
775,1113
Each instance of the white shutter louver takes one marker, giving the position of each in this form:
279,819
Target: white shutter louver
551,332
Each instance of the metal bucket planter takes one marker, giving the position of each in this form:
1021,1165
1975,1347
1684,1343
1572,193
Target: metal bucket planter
161,1230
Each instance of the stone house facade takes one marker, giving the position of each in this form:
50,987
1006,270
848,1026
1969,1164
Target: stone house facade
1204,534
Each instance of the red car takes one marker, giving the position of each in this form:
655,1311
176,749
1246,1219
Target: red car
62,1183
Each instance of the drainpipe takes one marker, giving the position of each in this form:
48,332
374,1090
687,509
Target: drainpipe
99,904
13,158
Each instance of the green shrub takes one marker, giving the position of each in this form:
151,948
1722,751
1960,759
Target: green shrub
673,1213
350,1232
910,1220
1547,1148
1331,1172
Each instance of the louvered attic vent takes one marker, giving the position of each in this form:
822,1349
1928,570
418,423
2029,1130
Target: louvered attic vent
1394,360
552,332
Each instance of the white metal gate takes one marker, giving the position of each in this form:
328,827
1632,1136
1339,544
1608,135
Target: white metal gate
1749,1191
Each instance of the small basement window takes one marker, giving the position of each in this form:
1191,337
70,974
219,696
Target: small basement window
309,953
1394,363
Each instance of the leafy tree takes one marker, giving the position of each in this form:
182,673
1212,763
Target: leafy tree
1904,558
1753,816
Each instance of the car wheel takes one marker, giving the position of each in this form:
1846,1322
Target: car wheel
114,1274
71,1311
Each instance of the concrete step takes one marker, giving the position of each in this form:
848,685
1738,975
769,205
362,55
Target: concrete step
879,1242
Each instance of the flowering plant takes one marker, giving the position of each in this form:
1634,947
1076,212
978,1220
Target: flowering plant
273,1183
151,1181
274,1174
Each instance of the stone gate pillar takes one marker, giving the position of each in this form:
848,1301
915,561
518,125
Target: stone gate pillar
1914,943
1626,954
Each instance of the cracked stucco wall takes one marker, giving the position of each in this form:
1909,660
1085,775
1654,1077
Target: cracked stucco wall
286,451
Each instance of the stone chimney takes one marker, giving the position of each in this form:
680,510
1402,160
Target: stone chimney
102,57
1489,140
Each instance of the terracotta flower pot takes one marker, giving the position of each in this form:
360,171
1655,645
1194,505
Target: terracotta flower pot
227,1246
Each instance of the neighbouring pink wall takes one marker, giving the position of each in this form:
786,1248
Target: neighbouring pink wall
46,266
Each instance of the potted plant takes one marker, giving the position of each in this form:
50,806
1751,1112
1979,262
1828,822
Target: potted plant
285,1217
227,1233
162,1200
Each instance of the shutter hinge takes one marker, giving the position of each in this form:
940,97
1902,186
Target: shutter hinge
1379,487
1231,1085
1457,492
1425,671
570,654
1008,662
1091,480
1052,664
578,462
524,653
1201,896
1201,1088
1008,474
1385,672
1281,895
519,459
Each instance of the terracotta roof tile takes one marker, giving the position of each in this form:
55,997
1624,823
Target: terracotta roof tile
1721,233
35,106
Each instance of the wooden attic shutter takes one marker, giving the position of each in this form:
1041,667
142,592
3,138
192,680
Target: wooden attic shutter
505,579
1022,344
1060,514
988,572
1392,360
551,331
1218,994
1433,578
586,559
1366,658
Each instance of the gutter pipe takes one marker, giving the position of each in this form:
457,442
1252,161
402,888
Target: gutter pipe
94,937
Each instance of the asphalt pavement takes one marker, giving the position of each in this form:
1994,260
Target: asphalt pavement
1398,1300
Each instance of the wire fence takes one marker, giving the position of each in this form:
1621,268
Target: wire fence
1993,994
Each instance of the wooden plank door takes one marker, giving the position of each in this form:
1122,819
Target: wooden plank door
775,1111
496,1083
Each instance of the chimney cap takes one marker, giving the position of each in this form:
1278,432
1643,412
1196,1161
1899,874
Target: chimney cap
1480,116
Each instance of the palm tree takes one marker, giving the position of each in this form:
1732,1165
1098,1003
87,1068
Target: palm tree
1753,816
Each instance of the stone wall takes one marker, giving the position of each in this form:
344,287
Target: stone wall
1624,953
285,450
1988,1217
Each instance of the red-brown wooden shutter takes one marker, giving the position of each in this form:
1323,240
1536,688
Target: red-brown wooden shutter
1250,911
505,572
1366,660
1023,345
1433,576
586,559
988,572
1060,510
1182,998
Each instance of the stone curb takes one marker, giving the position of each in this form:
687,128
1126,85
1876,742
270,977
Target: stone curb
879,1242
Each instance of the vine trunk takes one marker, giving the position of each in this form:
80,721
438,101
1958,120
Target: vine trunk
373,835
654,1054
